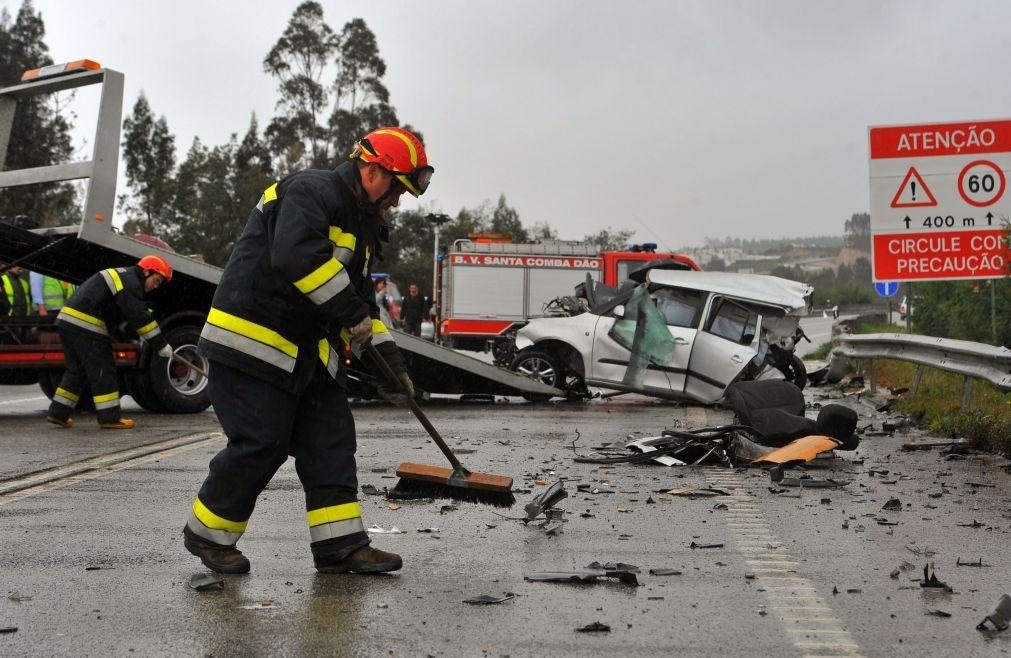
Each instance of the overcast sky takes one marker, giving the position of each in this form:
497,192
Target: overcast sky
678,119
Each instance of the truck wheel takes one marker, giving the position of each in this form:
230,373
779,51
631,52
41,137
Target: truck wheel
49,381
540,366
170,385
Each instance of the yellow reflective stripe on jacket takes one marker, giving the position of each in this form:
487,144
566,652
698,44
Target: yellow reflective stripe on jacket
252,330
332,514
149,330
319,276
328,355
269,194
342,239
90,319
325,282
112,280
215,522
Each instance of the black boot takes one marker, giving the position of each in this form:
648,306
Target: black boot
222,559
364,560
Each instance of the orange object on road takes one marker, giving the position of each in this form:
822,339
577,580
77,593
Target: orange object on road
802,450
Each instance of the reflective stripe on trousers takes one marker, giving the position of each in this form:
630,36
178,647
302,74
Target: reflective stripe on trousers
208,525
335,521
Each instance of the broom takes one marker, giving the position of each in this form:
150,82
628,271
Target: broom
457,483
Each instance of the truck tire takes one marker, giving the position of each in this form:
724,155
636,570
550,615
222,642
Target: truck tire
49,381
540,366
169,386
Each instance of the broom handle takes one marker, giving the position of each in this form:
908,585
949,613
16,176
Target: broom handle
391,376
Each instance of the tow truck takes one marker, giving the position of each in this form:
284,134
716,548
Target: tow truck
30,351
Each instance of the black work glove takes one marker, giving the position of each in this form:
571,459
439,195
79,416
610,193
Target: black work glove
398,395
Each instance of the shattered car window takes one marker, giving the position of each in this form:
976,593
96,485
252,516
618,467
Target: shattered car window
733,322
679,308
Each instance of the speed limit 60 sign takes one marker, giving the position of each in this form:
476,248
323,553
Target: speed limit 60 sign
939,200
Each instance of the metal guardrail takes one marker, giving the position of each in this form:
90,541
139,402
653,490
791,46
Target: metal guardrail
962,357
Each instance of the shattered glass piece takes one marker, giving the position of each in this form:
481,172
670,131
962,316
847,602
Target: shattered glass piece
485,599
203,582
1000,617
259,605
379,530
643,332
595,627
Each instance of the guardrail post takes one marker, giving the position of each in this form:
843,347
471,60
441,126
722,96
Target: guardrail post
874,376
917,378
967,393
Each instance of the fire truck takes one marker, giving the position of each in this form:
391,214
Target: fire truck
489,288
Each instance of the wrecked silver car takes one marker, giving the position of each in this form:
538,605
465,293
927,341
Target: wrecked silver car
674,335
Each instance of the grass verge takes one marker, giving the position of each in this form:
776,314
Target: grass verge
938,404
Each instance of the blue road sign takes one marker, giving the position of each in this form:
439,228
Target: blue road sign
886,288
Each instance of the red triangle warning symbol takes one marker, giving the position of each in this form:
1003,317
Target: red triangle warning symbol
913,193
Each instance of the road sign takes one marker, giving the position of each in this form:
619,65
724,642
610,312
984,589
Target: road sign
938,200
886,288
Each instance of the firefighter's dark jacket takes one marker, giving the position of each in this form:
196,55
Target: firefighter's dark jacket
299,275
107,299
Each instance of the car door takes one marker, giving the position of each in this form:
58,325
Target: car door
723,347
682,311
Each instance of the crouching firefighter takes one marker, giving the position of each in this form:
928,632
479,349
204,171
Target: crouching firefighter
104,300
295,291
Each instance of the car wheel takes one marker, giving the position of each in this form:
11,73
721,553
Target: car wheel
539,366
795,372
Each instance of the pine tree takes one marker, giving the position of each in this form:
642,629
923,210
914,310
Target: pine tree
150,159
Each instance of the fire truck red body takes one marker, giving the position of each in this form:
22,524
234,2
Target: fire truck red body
487,288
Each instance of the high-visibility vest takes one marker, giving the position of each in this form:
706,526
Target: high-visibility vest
55,292
9,291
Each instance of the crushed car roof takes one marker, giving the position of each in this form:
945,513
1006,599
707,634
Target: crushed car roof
755,287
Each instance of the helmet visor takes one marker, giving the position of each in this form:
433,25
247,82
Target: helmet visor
417,181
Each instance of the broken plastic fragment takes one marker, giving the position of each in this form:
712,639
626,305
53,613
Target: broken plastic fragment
802,450
694,545
370,490
893,505
1000,617
930,580
937,613
379,530
206,581
546,500
595,627
485,599
665,572
614,566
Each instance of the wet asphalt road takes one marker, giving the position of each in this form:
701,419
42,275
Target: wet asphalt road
93,563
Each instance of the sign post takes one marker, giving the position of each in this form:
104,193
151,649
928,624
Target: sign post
939,201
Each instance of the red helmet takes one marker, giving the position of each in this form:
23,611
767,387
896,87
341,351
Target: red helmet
152,263
399,152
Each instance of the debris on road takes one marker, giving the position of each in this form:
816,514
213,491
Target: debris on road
431,530
588,576
693,492
259,605
613,566
8,629
664,571
203,582
371,490
545,500
999,617
927,444
695,545
937,613
930,581
978,563
649,444
893,505
805,449
379,530
595,627
485,599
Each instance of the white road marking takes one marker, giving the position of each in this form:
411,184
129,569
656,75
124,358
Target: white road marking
34,399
